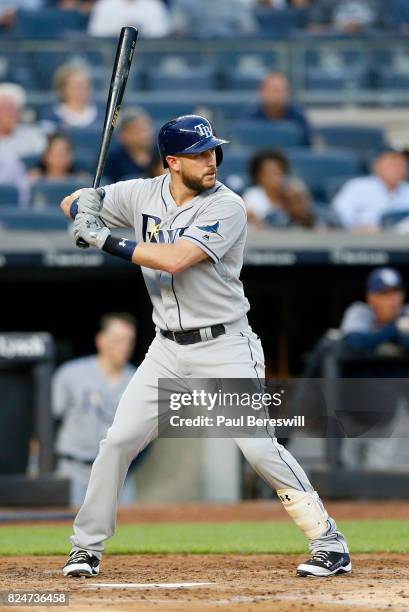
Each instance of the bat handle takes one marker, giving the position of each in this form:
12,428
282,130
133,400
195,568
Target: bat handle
81,243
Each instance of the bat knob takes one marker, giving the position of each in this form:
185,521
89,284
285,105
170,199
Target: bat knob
82,244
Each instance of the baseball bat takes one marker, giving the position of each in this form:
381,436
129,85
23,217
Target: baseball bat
120,72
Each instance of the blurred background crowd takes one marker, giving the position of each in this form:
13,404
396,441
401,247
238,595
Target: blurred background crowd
291,171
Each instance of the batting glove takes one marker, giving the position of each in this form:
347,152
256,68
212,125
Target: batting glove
91,200
91,230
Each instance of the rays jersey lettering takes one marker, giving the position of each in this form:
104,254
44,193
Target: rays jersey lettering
152,232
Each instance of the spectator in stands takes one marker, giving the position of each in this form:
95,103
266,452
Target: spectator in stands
151,17
362,201
85,394
397,15
75,109
156,168
213,18
57,162
83,6
8,9
13,172
135,149
268,171
383,319
348,16
275,105
299,211
17,139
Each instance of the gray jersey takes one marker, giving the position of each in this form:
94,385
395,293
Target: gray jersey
360,317
215,220
86,402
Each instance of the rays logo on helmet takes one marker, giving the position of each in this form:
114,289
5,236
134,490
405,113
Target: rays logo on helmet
204,130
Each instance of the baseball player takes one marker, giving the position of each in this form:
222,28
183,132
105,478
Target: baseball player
85,394
190,232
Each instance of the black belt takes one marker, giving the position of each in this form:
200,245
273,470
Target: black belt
71,458
193,336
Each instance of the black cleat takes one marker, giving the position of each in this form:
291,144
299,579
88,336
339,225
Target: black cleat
325,563
81,563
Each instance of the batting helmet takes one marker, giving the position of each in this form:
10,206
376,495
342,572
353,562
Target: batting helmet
188,134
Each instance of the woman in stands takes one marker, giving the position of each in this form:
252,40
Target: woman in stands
56,163
74,110
268,172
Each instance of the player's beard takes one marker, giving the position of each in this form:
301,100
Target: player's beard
197,184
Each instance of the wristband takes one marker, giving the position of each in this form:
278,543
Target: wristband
121,247
74,208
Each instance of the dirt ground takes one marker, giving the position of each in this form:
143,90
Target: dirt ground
239,583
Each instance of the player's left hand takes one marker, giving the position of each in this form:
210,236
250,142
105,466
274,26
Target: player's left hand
91,230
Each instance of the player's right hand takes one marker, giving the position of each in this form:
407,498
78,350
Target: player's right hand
90,201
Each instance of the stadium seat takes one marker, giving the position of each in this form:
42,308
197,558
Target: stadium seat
332,185
244,81
392,218
314,168
8,195
235,165
48,23
335,79
390,80
84,140
50,193
45,63
279,22
356,137
165,108
12,219
267,134
193,81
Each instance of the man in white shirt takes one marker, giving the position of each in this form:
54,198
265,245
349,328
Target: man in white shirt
151,17
362,201
17,139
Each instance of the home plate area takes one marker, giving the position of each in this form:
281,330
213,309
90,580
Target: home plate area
175,583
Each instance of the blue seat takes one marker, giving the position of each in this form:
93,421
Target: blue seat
395,81
8,195
50,193
84,140
392,218
169,109
200,79
332,185
267,134
235,164
315,168
45,63
335,79
48,23
280,22
244,81
359,138
12,219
